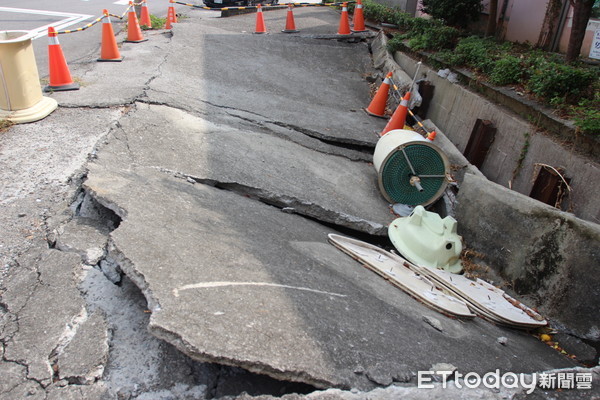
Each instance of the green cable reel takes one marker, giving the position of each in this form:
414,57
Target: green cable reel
411,170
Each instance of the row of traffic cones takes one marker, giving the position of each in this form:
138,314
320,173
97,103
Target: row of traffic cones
358,19
378,106
290,25
60,76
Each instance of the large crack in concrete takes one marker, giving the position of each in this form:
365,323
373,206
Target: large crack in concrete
133,349
233,153
292,204
144,205
354,150
207,216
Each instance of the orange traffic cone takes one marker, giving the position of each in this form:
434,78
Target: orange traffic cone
399,117
134,33
431,136
290,25
60,76
171,14
145,15
377,106
344,28
168,22
260,21
358,19
109,50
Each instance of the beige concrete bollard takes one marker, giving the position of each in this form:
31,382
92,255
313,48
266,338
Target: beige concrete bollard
21,97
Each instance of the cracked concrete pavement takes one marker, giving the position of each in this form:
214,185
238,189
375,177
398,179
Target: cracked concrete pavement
166,230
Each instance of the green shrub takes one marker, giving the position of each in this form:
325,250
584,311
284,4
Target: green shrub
443,37
403,20
156,22
549,80
473,52
379,12
422,25
507,70
588,122
587,113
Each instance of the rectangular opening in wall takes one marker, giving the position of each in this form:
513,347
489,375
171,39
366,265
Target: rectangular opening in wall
480,141
426,90
550,186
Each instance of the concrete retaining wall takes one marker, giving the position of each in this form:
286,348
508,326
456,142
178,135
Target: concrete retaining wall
543,253
517,146
546,256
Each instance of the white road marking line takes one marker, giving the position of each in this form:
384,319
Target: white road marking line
122,2
205,285
69,20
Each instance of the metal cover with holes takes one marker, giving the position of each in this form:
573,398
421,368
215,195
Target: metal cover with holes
429,164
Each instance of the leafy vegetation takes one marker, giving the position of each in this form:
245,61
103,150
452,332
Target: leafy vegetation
587,114
571,89
551,80
506,71
156,22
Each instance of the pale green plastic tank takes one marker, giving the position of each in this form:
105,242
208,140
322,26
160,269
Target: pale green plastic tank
424,238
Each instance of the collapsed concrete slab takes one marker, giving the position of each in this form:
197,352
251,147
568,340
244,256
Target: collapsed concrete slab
313,87
85,237
83,359
234,281
544,253
280,172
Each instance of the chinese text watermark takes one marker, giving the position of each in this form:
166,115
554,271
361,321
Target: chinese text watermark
510,380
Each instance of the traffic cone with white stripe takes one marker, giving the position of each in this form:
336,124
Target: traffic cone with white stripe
145,15
399,117
290,25
379,102
344,28
358,18
109,50
260,21
134,33
60,76
172,15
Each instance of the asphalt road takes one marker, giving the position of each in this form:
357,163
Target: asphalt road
38,15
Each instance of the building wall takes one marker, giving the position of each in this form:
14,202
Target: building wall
524,20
